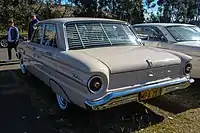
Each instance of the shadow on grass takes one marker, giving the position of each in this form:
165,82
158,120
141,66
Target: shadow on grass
179,101
126,118
18,114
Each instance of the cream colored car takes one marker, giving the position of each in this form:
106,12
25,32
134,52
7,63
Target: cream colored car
98,63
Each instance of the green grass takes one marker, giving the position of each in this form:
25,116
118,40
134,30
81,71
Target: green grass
186,122
24,33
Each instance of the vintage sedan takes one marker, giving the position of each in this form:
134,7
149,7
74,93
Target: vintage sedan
98,63
183,38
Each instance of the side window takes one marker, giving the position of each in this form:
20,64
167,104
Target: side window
141,32
153,35
38,33
148,33
50,36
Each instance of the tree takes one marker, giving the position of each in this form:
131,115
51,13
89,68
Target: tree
85,8
21,10
178,10
151,16
128,10
150,3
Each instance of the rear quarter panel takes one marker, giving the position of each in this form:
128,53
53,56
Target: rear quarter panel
72,73
194,52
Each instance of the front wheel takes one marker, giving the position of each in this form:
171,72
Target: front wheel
63,104
23,67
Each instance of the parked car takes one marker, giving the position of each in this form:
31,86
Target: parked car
183,38
4,42
98,64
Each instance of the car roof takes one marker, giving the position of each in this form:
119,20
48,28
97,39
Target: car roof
78,19
162,24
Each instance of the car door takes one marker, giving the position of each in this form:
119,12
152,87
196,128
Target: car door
32,49
50,49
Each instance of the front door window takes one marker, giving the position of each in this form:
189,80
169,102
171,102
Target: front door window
37,35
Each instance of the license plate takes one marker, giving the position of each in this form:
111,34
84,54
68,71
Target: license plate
149,94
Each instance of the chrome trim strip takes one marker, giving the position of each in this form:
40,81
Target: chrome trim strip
61,73
112,95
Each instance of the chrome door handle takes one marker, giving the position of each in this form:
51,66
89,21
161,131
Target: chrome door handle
48,53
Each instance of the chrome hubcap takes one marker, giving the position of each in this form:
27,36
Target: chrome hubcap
61,102
4,43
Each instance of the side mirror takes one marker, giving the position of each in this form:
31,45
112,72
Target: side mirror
140,41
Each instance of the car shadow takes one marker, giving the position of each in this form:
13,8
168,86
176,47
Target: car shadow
179,101
126,118
18,114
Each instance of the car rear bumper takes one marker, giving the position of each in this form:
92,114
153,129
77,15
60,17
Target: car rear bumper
132,94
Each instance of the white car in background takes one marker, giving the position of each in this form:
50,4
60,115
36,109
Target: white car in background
184,38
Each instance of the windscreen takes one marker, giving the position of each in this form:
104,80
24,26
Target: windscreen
185,33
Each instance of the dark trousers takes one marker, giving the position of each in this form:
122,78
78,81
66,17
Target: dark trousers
11,45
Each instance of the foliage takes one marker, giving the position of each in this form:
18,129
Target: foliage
129,10
21,10
150,3
178,10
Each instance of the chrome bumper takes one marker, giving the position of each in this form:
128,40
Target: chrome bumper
122,97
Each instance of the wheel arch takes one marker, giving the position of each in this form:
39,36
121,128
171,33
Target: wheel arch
58,89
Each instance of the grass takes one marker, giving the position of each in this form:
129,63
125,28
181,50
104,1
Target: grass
24,33
186,122
184,117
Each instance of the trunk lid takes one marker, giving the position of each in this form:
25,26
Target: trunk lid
131,58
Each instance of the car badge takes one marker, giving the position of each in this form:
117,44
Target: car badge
150,74
150,63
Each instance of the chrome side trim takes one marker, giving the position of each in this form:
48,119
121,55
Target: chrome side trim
136,90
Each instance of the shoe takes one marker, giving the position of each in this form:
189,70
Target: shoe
8,60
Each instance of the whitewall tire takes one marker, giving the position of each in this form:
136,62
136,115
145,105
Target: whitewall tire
23,67
62,103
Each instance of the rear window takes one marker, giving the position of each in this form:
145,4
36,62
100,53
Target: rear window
99,34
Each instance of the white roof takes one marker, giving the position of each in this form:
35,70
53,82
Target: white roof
162,24
75,19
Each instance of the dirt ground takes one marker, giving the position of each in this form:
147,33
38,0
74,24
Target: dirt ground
28,106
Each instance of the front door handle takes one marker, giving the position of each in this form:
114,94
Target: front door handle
48,53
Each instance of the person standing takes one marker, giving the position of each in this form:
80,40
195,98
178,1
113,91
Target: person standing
12,37
34,20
